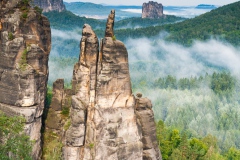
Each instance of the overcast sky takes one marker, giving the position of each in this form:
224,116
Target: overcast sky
164,2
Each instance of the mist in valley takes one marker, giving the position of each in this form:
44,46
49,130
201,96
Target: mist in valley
198,110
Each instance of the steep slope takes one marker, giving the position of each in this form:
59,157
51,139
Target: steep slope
25,42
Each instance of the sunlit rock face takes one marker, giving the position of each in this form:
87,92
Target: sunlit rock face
50,5
25,42
152,10
107,121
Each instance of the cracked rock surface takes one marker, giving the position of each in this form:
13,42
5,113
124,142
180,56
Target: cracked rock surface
107,121
25,42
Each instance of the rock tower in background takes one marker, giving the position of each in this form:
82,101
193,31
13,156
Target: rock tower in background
152,10
106,120
50,5
25,42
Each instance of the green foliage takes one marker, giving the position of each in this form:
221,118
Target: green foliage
15,145
23,60
66,20
52,147
65,111
39,10
24,15
222,83
221,23
233,154
188,147
91,145
10,36
26,2
114,38
67,124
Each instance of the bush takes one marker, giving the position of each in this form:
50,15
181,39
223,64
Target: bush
23,61
14,143
39,10
24,15
10,36
65,111
114,38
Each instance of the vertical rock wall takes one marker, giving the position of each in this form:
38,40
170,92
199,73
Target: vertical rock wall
152,10
25,42
107,121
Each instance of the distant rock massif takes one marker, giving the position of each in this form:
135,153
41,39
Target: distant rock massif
50,5
25,43
106,120
152,10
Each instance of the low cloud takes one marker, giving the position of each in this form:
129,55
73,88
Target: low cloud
177,60
66,35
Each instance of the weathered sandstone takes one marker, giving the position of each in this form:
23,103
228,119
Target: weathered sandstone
25,42
107,121
152,10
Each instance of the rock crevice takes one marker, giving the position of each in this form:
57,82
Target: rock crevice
25,42
104,113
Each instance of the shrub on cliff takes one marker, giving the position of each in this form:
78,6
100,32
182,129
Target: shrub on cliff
14,144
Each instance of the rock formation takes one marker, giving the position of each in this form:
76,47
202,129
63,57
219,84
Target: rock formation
25,42
107,121
152,10
50,5
56,120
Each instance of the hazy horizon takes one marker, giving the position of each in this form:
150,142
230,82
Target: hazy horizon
164,2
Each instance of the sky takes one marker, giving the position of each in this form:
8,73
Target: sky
164,2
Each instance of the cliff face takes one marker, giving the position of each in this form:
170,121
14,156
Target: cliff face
152,10
107,121
25,41
50,5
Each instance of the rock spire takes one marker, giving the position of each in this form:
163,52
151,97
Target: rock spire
107,121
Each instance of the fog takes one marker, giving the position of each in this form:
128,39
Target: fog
177,60
200,110
156,57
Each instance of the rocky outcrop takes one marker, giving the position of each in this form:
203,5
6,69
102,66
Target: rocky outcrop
152,10
145,117
107,121
50,5
56,120
25,42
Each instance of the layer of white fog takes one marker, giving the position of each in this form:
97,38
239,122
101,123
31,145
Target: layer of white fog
198,110
177,60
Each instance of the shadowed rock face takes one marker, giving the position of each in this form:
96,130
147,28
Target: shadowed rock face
152,10
107,121
25,42
50,5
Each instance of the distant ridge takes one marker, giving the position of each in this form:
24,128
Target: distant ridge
206,6
221,23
